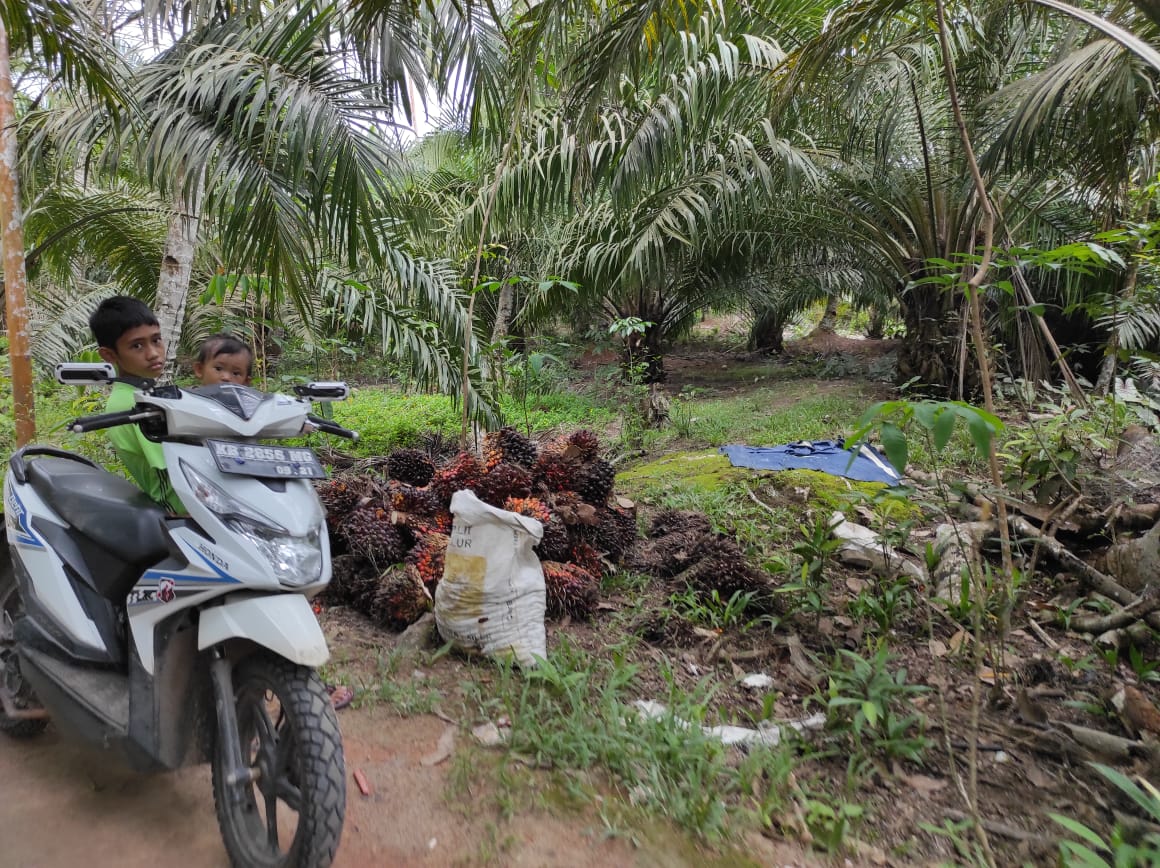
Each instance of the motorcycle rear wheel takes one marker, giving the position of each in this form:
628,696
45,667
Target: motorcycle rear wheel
291,814
11,608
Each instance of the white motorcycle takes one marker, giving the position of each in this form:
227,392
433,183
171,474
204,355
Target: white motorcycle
176,640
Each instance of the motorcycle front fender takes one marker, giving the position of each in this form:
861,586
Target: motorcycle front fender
282,623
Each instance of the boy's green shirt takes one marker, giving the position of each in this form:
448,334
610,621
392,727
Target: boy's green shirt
144,459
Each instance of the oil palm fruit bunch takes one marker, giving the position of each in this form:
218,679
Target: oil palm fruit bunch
362,585
586,557
571,590
503,481
340,495
462,471
720,565
410,466
585,443
368,531
667,556
342,571
507,445
556,544
412,500
427,558
594,481
614,532
669,521
400,599
555,472
532,507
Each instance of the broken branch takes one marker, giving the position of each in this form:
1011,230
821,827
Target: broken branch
1130,614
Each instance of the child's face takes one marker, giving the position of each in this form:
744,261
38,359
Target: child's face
139,352
224,368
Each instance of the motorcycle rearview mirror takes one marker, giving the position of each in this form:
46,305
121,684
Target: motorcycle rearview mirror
85,373
333,390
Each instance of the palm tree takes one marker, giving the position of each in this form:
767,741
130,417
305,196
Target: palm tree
645,191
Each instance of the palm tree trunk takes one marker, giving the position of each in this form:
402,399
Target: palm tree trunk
15,300
176,267
933,325
1111,354
830,317
766,335
503,313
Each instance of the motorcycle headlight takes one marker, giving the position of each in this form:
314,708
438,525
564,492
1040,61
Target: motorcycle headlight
295,560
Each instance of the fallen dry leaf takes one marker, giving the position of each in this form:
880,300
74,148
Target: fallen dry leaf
958,640
937,648
924,784
443,750
1136,710
856,585
1029,710
1037,777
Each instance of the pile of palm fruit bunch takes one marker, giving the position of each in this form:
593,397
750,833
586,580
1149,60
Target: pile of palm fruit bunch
389,520
682,548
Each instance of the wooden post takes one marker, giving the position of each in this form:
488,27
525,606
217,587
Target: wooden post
12,221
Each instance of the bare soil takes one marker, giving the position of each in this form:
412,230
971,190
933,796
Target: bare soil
67,806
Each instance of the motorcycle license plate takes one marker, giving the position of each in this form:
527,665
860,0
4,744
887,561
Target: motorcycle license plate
270,462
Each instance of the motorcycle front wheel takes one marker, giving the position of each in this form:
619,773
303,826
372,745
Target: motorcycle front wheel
290,815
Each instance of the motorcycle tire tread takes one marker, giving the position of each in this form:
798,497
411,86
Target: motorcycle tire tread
323,766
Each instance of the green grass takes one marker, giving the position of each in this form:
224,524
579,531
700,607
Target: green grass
402,692
790,412
387,419
574,713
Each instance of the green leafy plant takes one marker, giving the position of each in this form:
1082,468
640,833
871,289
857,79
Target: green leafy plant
1043,459
816,548
868,703
712,611
883,604
937,419
830,823
1088,851
1145,669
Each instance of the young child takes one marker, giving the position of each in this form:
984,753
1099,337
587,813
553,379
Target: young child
224,359
129,338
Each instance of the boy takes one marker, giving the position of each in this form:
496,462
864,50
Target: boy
224,359
129,338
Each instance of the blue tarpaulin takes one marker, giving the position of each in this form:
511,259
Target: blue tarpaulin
863,462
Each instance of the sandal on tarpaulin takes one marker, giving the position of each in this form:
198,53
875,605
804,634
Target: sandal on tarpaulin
340,695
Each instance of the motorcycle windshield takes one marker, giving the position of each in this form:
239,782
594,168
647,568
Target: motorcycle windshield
242,401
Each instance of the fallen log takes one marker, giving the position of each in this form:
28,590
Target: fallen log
1136,562
1089,576
1129,614
1105,743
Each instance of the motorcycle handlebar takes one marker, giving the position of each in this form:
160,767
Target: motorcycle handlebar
328,427
110,420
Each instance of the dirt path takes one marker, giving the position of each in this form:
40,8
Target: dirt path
67,807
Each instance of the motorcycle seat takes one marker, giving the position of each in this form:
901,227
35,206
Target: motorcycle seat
109,511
